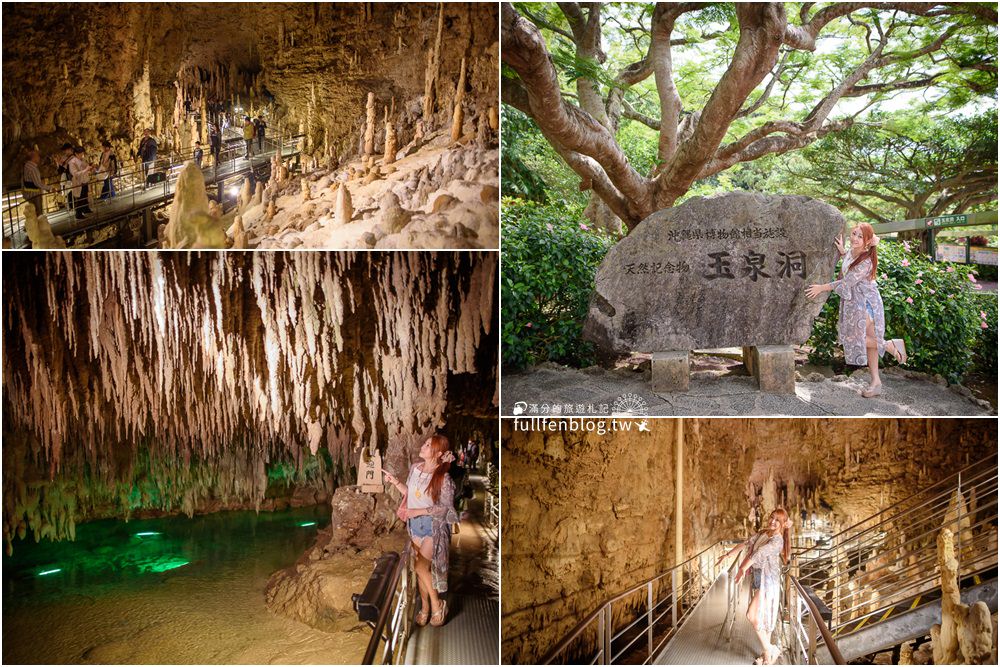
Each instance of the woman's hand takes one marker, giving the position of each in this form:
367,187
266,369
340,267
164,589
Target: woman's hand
839,243
388,475
814,291
739,575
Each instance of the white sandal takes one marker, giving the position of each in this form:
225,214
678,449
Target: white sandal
871,392
901,356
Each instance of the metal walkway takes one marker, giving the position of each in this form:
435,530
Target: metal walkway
701,640
133,199
471,636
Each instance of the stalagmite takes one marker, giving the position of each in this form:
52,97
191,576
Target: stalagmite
458,115
306,193
245,195
239,234
370,125
191,224
390,143
343,212
272,210
38,229
965,634
433,69
258,195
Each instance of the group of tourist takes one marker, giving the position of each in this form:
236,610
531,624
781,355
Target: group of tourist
253,128
76,173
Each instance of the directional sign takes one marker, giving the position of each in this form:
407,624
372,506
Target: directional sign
946,221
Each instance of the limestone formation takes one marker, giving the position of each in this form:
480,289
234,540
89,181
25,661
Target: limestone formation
389,155
394,216
191,224
965,634
245,195
239,234
458,114
258,195
306,193
723,271
433,70
39,231
370,125
343,212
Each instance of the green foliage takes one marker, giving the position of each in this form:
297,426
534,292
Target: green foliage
932,306
985,350
549,259
519,179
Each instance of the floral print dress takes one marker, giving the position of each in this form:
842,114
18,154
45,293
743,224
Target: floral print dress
767,558
859,297
443,515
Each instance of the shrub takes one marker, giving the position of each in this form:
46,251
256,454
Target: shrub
549,259
985,351
932,306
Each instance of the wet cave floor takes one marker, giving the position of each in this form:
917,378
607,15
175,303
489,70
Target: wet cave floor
170,590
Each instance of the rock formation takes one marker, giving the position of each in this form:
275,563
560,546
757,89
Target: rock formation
965,634
39,231
191,224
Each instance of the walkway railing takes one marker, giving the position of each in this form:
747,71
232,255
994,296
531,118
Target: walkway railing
391,633
892,557
636,624
130,185
492,513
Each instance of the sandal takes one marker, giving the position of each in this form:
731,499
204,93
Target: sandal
437,618
872,392
901,356
422,617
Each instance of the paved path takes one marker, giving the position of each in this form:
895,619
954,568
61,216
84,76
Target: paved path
710,394
471,635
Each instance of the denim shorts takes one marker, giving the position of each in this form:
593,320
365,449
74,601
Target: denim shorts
421,526
756,579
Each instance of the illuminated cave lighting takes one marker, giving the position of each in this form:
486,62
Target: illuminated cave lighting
169,564
52,571
147,534
306,524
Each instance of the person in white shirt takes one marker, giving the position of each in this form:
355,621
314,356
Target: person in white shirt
80,171
31,181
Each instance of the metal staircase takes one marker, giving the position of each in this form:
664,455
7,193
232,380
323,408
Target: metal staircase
879,579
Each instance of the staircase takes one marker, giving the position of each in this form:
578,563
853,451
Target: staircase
879,579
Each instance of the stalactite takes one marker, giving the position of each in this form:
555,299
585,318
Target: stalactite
433,70
214,365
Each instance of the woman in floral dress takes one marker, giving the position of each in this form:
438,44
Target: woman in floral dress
772,549
861,327
429,511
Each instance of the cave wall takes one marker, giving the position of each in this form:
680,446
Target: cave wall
83,72
136,380
586,516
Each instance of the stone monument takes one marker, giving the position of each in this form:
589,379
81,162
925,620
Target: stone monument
723,271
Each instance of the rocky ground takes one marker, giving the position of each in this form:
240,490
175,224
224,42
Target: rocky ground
717,388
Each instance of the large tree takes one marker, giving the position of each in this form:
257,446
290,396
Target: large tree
766,88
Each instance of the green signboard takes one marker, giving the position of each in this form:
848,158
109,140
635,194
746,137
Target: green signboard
947,221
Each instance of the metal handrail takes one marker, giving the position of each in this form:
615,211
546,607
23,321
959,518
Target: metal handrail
134,181
947,481
395,614
815,623
603,617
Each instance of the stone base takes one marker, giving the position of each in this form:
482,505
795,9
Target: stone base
773,366
670,371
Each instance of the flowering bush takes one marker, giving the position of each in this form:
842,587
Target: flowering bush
932,306
549,259
985,350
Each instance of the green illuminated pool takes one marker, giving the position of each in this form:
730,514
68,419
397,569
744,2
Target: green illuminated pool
173,590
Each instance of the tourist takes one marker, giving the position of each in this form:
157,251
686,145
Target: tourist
428,509
215,142
248,134
861,326
765,553
61,160
81,172
31,181
147,153
260,127
107,170
198,153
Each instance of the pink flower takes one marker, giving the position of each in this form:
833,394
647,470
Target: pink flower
951,269
548,226
909,299
529,325
918,281
885,276
972,278
978,286
983,325
932,291
982,314
906,262
584,227
907,246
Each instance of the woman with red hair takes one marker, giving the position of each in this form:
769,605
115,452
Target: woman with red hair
765,553
861,327
429,510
